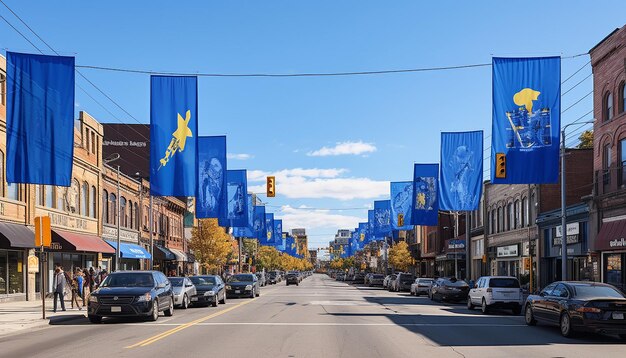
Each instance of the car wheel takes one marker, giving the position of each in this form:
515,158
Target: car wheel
529,316
470,306
483,307
517,310
95,319
252,293
155,310
214,303
223,301
185,303
565,324
169,312
258,293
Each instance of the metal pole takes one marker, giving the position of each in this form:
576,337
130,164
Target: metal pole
563,213
151,224
240,253
468,241
530,253
42,270
119,199
456,236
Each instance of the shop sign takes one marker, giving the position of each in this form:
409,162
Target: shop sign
33,264
507,251
617,243
571,239
67,221
572,229
110,233
456,244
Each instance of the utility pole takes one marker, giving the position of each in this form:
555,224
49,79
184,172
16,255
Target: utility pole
456,236
468,256
119,199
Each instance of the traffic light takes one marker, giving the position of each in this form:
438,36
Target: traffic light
271,187
400,220
500,165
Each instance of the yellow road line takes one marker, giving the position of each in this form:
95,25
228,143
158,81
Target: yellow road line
184,326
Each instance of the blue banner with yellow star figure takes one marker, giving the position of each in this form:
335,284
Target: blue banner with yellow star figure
526,120
173,135
363,234
269,226
401,197
39,119
425,203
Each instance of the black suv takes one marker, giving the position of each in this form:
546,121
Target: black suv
132,294
292,278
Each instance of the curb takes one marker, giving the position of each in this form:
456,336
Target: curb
65,318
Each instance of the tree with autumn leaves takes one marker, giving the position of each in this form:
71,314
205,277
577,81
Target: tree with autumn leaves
211,244
400,257
269,258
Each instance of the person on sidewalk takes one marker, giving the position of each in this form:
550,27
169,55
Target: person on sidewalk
86,285
58,283
76,283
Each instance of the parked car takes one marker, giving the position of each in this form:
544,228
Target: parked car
132,294
341,276
376,280
387,280
496,292
359,278
402,282
448,288
243,284
292,279
261,277
421,286
579,306
210,290
184,291
297,274
272,278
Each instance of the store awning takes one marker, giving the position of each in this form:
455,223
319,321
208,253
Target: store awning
612,236
180,256
16,236
71,241
130,251
163,254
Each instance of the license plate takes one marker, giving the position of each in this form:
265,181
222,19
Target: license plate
116,309
194,299
237,291
618,315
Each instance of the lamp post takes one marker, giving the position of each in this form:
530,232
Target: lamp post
563,204
111,159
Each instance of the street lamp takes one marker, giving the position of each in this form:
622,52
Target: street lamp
111,159
563,203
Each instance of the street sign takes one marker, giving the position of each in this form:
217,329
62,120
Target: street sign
43,234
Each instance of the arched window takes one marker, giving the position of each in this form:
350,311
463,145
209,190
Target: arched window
105,207
123,219
131,214
137,217
608,106
84,199
622,97
113,216
499,226
517,223
59,198
49,196
525,220
511,217
93,202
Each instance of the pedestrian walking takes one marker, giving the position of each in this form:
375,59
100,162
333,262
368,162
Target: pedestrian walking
92,278
58,283
75,280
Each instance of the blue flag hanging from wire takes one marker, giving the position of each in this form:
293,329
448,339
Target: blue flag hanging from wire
425,203
269,226
382,218
371,220
291,248
278,232
401,196
363,234
461,171
259,224
526,120
173,135
211,194
247,231
236,214
39,119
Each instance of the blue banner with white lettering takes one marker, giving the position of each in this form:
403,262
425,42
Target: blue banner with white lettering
269,226
236,199
247,231
382,218
401,196
173,135
39,119
211,195
259,224
425,203
526,120
371,220
461,171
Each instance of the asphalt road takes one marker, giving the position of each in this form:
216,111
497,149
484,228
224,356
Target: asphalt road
318,318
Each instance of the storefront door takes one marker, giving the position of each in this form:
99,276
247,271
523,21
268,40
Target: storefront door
614,267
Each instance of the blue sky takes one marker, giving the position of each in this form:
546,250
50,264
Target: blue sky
279,122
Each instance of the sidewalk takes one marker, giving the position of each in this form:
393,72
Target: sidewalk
23,315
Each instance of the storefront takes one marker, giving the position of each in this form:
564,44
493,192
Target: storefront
507,261
611,243
163,258
130,255
180,265
478,257
15,241
452,258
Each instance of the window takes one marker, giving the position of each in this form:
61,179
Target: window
500,220
84,196
123,213
608,106
509,222
622,161
39,194
93,202
516,214
13,191
49,196
113,216
492,222
3,87
105,206
87,139
59,199
524,212
131,215
93,142
137,217
622,97
606,164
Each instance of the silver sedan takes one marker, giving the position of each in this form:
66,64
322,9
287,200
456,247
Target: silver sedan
421,286
183,289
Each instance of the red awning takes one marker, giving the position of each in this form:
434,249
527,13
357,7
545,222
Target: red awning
70,241
612,236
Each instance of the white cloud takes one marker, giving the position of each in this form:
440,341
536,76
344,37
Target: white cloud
315,219
344,148
241,156
319,183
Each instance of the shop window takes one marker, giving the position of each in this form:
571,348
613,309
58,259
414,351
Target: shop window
16,272
608,107
93,202
84,199
49,196
105,206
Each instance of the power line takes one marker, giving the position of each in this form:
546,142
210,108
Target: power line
576,85
574,74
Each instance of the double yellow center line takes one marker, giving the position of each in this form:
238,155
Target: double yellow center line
185,326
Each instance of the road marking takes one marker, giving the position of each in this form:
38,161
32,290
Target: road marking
347,324
184,326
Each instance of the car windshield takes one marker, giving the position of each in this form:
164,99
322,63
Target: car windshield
454,282
128,280
240,278
176,281
407,278
424,281
203,280
593,291
503,283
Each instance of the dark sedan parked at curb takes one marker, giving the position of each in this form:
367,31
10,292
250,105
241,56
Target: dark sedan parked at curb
243,285
132,294
448,289
292,279
579,306
210,290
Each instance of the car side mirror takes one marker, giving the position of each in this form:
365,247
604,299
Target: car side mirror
161,285
542,294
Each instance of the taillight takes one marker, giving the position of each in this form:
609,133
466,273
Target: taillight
588,310
489,290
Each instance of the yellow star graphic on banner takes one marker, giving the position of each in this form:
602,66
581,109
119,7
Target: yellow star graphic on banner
183,131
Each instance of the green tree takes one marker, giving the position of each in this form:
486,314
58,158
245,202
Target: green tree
586,140
400,257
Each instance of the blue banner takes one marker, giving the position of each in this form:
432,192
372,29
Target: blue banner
425,203
526,119
278,233
401,196
382,218
291,248
461,171
247,231
237,202
259,224
173,135
269,226
371,219
39,119
211,194
363,236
